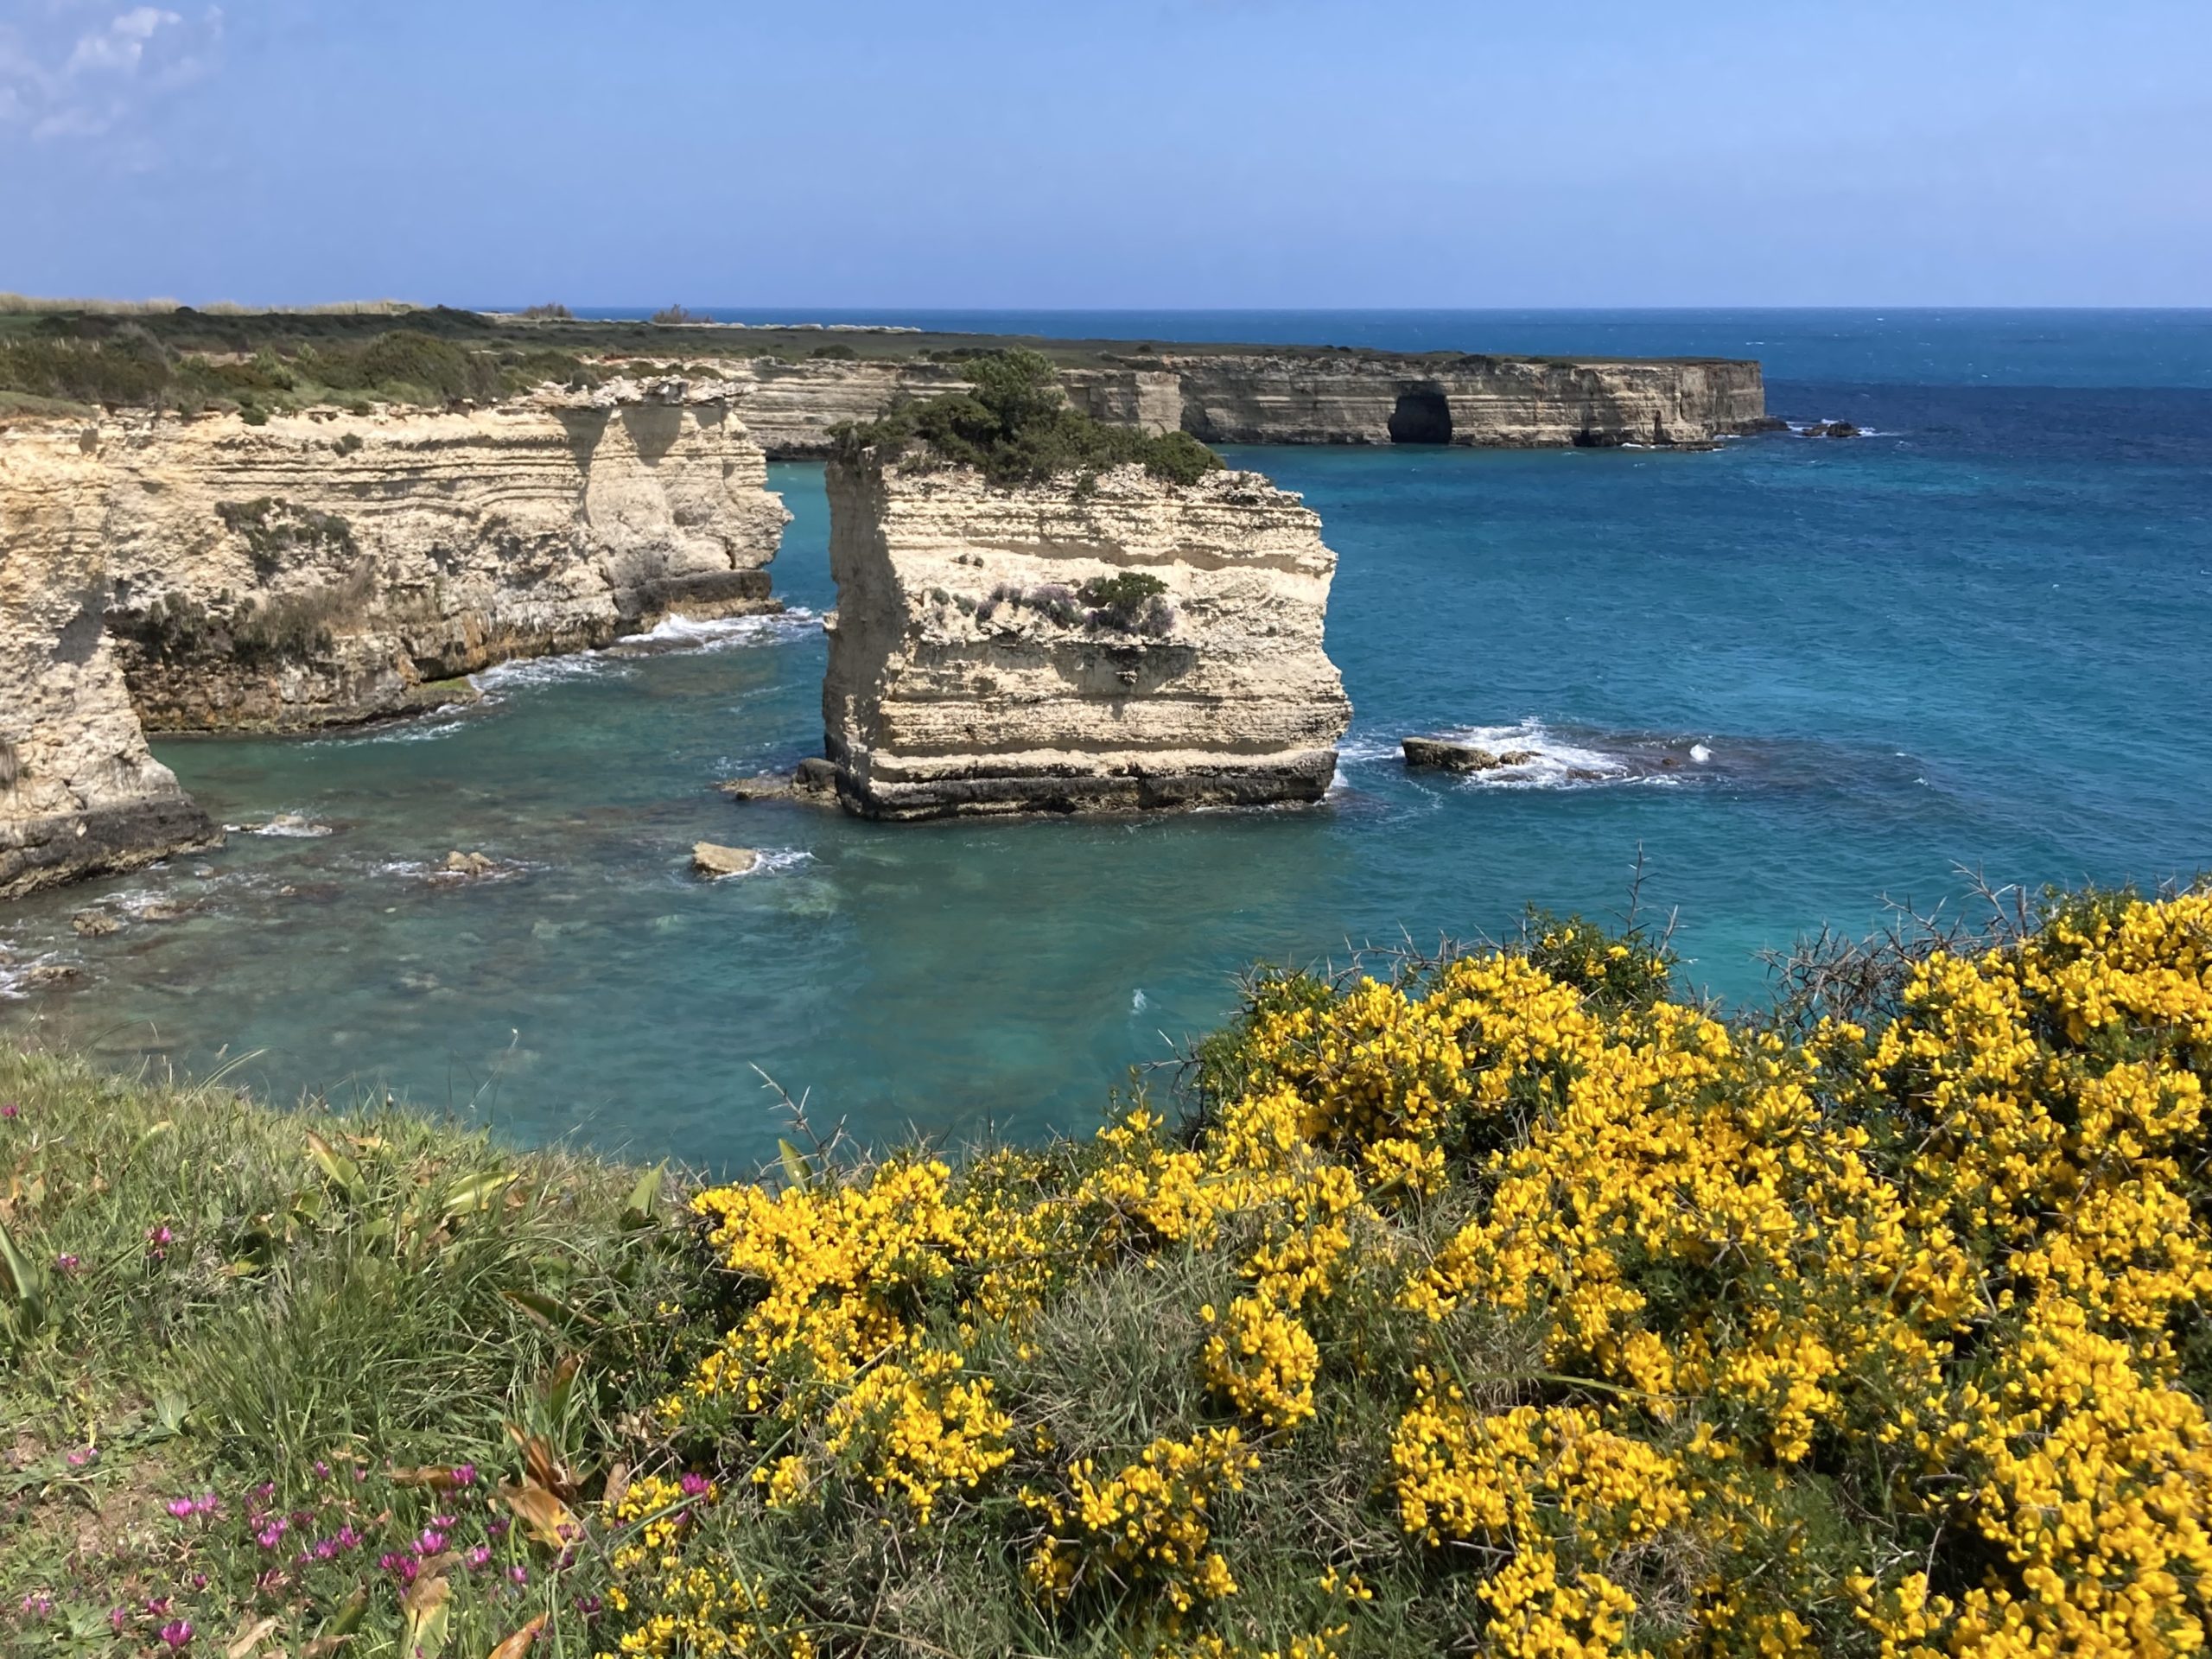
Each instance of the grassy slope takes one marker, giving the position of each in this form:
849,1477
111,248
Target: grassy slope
1580,1324
228,1301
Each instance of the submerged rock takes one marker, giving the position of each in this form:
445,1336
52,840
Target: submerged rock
1124,643
711,860
813,784
94,924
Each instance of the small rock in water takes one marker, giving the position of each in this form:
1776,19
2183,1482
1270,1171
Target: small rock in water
204,872
92,924
46,975
709,859
469,864
163,911
1448,756
815,781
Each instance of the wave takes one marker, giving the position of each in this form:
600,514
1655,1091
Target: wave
290,825
774,861
1567,755
524,671
680,633
1579,757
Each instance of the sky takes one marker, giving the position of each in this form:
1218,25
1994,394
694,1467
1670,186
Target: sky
1235,153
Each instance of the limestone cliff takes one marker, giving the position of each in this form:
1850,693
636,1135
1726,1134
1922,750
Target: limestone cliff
207,574
1242,397
1132,645
1503,401
329,568
79,794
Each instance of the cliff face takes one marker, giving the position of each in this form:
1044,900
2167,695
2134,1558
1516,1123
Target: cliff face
1481,401
207,574
1308,398
79,794
321,571
976,666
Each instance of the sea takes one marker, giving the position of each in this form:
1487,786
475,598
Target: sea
1789,684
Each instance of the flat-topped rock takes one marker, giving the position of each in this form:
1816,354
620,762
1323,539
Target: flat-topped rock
712,859
1118,642
1448,754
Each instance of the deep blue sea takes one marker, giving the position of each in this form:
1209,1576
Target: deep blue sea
1974,638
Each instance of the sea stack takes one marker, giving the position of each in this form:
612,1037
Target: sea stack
1110,640
80,793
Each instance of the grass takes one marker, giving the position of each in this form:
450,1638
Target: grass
234,1296
1558,1278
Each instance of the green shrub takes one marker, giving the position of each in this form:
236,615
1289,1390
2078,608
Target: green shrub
1017,426
275,530
838,353
128,369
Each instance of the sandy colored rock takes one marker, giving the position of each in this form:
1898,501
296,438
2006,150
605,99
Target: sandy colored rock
969,673
94,924
1448,754
79,792
204,574
460,863
1360,398
709,859
326,568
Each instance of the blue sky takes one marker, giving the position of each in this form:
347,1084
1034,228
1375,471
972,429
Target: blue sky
1155,153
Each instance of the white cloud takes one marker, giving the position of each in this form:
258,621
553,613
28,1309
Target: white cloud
72,71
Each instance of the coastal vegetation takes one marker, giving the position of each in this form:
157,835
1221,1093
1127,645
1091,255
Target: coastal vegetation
130,367
1016,426
1506,1301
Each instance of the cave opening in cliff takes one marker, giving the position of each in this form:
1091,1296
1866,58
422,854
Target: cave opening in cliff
1422,416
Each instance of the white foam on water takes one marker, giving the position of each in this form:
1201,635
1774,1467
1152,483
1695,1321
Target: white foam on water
1137,1003
525,671
774,861
727,632
1699,753
1554,763
1360,750
295,825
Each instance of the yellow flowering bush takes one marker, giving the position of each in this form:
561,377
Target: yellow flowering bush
1561,1317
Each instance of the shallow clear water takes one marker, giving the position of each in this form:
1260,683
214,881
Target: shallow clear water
1802,676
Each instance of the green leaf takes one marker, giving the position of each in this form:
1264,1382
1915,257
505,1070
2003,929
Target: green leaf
546,1309
170,1411
341,1170
28,1283
477,1192
639,1211
796,1170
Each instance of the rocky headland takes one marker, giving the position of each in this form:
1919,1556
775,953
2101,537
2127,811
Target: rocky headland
1349,397
1127,643
162,573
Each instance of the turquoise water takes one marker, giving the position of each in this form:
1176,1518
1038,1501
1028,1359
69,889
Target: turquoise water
1974,638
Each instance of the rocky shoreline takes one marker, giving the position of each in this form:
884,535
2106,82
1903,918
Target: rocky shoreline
329,569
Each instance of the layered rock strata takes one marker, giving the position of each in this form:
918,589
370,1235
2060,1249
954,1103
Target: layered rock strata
79,794
1133,645
323,569
1502,401
207,574
1346,398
